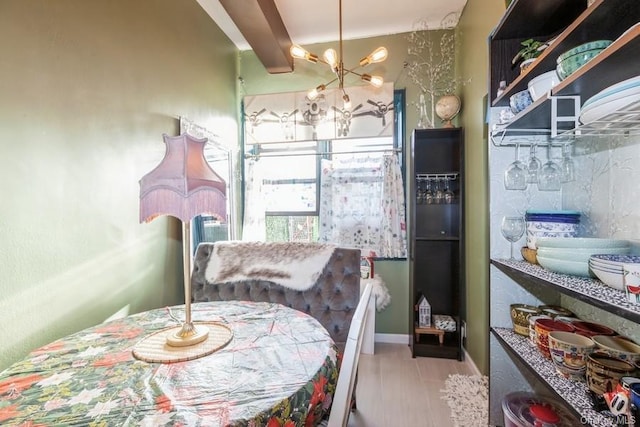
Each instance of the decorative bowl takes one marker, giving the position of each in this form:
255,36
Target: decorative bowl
617,346
590,329
592,45
582,242
559,226
529,254
604,372
519,101
569,352
571,64
543,327
540,85
532,327
614,260
529,409
520,317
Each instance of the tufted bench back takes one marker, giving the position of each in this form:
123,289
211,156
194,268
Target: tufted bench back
332,300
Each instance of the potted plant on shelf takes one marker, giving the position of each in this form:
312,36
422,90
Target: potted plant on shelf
531,49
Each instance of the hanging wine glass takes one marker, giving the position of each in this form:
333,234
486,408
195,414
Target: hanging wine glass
550,174
515,177
567,167
512,229
448,194
534,165
427,197
438,194
420,191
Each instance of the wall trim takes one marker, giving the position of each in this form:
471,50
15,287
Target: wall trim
392,338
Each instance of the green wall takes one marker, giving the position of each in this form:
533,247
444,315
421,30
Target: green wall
87,88
477,22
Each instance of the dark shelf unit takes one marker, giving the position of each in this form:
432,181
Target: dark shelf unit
575,394
602,20
437,240
590,291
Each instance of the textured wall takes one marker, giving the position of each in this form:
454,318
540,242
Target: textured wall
87,89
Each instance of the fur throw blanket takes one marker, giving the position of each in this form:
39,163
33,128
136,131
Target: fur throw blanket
290,264
379,291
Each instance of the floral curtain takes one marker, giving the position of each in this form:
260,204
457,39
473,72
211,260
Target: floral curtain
362,205
253,226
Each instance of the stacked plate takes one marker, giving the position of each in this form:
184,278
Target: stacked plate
542,223
609,268
572,255
613,99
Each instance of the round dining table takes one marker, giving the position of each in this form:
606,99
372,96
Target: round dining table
279,369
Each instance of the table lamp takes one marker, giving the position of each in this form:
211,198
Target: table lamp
183,185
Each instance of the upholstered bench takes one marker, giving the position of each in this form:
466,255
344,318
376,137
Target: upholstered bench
244,272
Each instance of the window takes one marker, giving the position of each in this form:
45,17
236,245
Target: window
290,176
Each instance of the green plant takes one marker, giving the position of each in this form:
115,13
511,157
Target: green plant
531,49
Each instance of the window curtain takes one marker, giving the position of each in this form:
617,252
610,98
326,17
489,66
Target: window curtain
253,226
362,205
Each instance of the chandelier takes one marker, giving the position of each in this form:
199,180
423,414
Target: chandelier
335,62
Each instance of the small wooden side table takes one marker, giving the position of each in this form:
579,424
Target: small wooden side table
431,331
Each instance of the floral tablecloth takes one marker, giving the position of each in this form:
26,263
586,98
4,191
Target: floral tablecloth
280,369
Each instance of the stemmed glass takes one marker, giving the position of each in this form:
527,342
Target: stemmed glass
420,192
427,196
438,193
534,166
515,177
448,194
550,175
512,229
567,167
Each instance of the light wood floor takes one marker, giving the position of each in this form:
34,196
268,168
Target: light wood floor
395,390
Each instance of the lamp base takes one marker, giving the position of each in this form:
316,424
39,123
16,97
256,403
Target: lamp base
187,335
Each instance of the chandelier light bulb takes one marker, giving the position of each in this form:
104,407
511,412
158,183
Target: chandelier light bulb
347,102
313,93
331,57
378,55
375,81
298,51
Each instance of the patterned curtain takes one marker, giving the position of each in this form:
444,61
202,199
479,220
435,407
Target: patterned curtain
253,226
362,205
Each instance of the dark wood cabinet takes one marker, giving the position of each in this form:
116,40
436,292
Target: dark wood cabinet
437,238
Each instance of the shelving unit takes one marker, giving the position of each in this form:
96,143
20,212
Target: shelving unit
611,20
515,364
436,249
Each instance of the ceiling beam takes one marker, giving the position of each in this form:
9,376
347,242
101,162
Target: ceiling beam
261,25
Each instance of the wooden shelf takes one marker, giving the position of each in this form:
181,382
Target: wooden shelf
620,61
575,393
591,291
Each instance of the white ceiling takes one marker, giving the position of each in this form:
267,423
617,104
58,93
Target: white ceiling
316,21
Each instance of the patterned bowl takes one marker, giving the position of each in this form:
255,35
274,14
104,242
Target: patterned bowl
617,346
592,45
604,372
591,329
520,100
569,352
554,311
520,314
543,327
570,65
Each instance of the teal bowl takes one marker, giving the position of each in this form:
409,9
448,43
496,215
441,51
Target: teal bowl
569,65
593,45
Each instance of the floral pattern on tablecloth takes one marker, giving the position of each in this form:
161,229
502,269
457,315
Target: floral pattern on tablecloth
280,369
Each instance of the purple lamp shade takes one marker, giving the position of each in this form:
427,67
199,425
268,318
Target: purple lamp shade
183,185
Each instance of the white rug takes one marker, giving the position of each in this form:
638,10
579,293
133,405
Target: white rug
468,398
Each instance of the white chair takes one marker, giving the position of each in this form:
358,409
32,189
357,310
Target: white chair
341,406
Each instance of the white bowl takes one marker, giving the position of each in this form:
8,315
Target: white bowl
540,85
581,242
613,280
